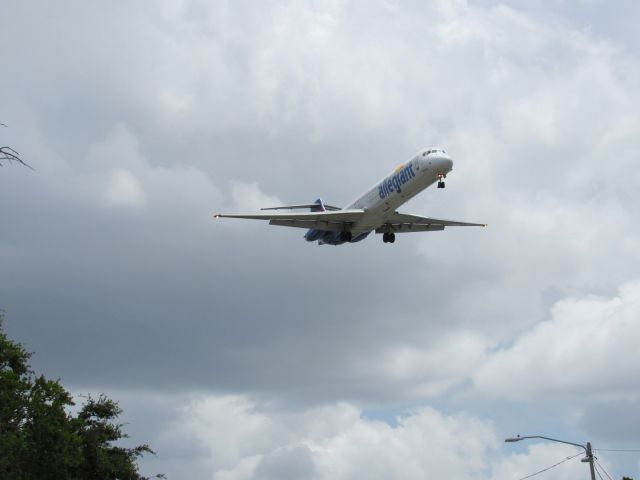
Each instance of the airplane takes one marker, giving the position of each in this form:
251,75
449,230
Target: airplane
374,210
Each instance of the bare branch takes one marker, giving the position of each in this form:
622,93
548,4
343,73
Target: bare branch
9,154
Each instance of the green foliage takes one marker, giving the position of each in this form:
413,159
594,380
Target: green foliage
95,427
39,439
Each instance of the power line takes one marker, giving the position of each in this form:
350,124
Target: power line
598,472
605,472
615,450
552,466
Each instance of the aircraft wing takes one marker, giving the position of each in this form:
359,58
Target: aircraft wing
404,223
331,221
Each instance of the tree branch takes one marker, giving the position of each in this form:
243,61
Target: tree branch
10,155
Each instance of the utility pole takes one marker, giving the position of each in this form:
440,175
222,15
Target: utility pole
589,458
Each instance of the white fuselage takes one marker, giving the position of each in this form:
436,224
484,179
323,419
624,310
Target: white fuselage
405,182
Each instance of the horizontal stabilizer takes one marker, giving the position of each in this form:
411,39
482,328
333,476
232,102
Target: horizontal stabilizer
301,206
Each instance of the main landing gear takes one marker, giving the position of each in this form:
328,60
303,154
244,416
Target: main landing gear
389,237
441,177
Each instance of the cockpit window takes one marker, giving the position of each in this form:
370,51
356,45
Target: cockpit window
434,150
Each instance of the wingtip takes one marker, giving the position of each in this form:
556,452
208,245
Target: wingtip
216,215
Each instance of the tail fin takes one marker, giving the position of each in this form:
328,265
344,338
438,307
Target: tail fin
318,206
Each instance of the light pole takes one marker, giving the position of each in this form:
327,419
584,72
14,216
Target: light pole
587,449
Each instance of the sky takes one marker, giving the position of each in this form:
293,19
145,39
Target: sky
239,351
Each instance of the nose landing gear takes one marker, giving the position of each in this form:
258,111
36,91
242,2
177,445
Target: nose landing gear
441,177
389,237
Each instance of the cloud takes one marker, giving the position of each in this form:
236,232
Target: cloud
247,197
295,462
586,347
246,441
219,110
423,370
235,438
206,107
124,189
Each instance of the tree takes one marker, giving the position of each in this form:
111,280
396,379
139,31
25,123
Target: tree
96,430
40,439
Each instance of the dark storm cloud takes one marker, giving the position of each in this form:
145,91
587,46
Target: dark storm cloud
116,235
161,294
131,273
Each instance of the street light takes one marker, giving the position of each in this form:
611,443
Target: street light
587,449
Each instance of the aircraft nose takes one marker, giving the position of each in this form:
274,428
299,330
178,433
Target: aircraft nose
446,163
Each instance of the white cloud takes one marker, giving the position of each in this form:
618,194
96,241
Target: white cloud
238,439
116,169
124,189
119,148
333,442
247,197
588,346
424,369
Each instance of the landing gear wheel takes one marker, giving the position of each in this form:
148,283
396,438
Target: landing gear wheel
348,236
440,184
388,237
